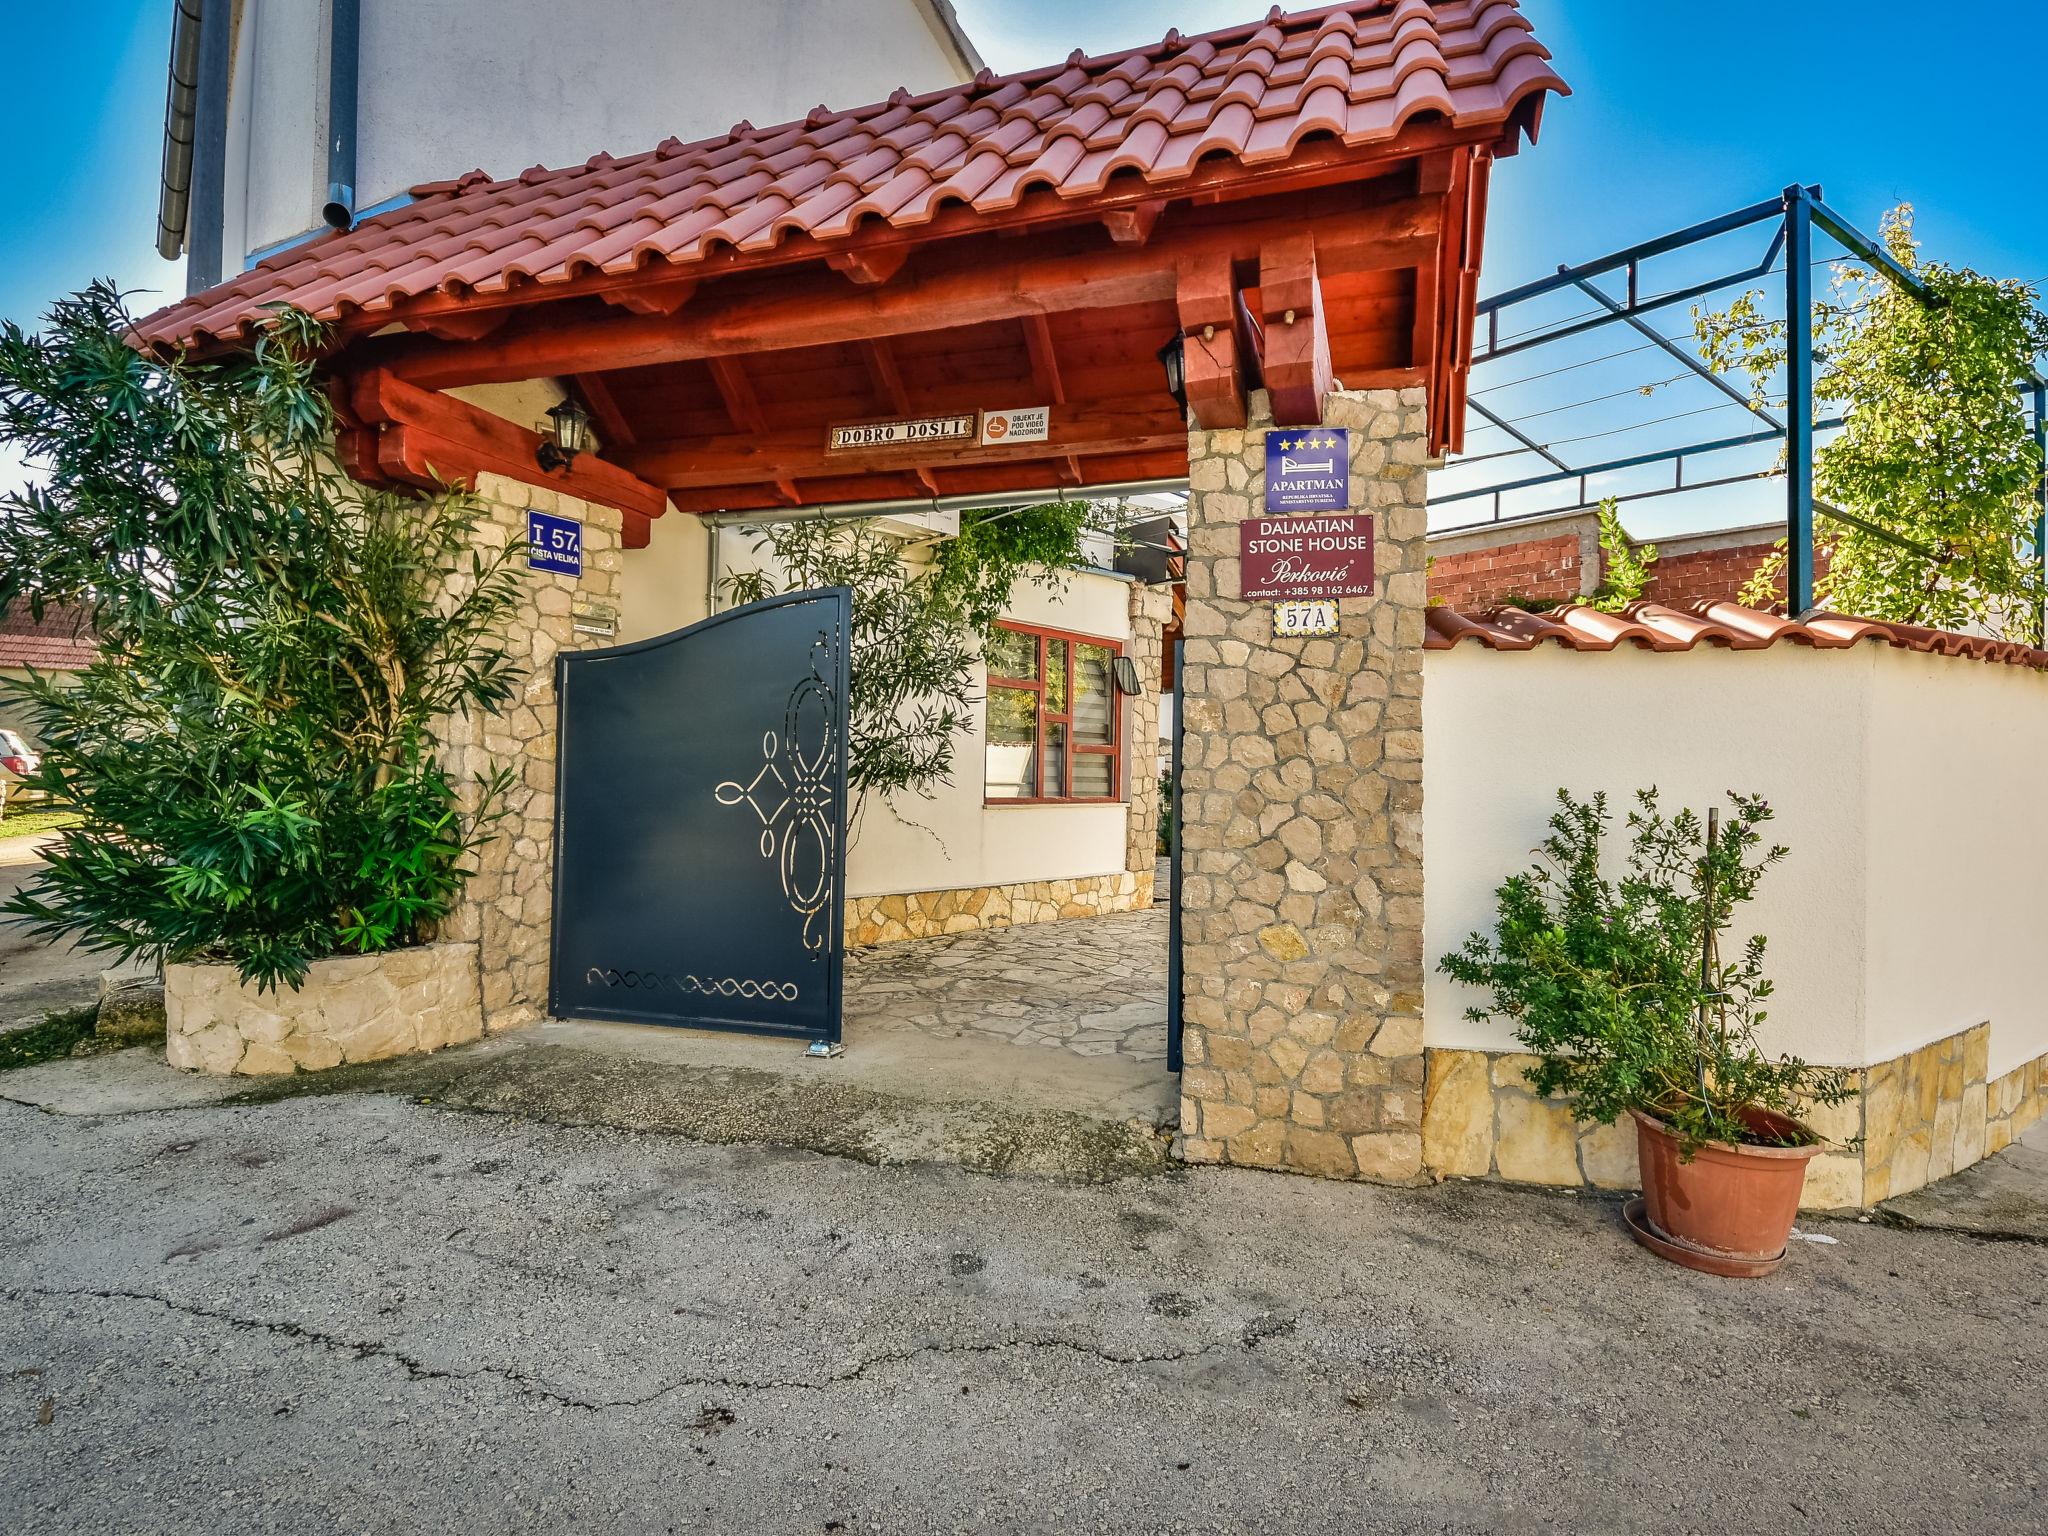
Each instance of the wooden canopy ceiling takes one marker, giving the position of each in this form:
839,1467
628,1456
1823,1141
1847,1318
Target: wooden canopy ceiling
1301,200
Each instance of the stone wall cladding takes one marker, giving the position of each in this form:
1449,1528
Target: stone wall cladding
1920,1117
1151,609
927,914
507,909
358,1008
1302,850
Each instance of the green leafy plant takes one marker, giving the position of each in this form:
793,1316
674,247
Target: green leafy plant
1604,980
252,755
1625,566
1936,466
920,619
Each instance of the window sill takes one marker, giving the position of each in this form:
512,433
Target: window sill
998,805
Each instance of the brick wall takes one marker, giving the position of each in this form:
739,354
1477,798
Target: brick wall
1485,567
1687,576
1536,568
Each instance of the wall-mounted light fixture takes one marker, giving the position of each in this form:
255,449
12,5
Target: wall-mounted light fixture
566,434
1173,359
1125,671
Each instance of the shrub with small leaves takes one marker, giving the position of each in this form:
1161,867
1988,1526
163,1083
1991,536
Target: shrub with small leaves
1603,981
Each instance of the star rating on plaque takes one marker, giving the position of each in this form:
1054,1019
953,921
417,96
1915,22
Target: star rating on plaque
1296,444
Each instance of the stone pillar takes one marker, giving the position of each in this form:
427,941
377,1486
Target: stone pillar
1302,849
508,908
1151,607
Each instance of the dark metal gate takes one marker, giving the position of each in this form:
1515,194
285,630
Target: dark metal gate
1173,972
700,829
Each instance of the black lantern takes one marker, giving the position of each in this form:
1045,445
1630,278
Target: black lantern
566,435
1125,671
1173,359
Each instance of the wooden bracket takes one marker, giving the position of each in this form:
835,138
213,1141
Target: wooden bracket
1133,225
1297,361
663,298
1205,302
402,435
869,265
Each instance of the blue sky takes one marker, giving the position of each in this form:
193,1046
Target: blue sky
1681,111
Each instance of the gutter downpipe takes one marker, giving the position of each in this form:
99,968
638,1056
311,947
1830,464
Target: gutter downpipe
181,124
344,57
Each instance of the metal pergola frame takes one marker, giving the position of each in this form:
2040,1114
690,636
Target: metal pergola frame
1797,211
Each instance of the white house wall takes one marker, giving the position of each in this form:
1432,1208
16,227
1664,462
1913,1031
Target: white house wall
1908,788
1957,899
1505,731
445,85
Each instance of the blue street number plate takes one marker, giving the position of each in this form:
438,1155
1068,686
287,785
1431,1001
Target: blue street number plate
554,544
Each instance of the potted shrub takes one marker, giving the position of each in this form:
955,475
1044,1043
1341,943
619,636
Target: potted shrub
253,755
1619,989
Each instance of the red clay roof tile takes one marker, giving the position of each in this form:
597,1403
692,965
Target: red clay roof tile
1357,72
60,642
1656,627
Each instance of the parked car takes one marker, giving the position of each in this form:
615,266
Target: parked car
16,764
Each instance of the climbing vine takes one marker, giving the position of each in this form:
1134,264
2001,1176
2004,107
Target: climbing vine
1935,466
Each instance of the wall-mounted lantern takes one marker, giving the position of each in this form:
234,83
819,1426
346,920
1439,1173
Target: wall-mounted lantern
566,434
1173,359
1125,671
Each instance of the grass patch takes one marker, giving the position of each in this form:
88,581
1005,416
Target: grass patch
35,823
56,1036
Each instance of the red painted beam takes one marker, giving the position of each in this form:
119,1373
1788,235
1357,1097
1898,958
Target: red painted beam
760,458
428,440
1297,359
1205,301
818,309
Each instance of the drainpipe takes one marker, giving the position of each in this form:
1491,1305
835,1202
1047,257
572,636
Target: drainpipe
344,53
181,126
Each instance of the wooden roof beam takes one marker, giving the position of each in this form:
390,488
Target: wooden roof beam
761,458
401,434
743,406
887,379
796,312
1045,378
1297,361
1205,300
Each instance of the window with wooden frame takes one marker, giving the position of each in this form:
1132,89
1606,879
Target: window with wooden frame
1055,719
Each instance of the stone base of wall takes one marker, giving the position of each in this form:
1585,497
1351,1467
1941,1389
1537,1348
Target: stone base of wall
927,914
1921,1117
361,1008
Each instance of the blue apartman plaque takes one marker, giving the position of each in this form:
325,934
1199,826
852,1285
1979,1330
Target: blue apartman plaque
554,544
1308,469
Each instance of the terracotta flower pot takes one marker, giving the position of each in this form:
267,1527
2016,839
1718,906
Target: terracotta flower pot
1730,1210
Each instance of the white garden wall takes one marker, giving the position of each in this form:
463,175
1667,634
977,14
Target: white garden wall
1907,786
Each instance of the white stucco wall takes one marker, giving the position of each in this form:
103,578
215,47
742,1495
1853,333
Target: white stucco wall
1957,832
1903,784
952,840
504,84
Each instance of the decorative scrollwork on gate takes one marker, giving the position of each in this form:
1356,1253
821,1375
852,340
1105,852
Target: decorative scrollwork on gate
705,986
791,794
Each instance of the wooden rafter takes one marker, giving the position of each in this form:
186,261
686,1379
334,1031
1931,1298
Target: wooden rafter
1297,340
757,458
1045,378
821,309
1205,301
888,381
744,407
400,434
613,429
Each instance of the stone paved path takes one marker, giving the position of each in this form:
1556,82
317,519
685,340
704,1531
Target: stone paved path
1095,986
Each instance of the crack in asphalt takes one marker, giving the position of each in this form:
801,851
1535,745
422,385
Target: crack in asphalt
419,1370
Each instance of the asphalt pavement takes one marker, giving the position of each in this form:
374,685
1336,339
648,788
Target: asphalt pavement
360,1312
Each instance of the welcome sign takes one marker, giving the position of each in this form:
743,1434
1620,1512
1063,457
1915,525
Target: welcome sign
1305,557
